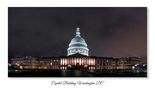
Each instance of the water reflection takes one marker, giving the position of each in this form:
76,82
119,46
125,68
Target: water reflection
74,73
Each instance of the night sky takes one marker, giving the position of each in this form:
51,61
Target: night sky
42,31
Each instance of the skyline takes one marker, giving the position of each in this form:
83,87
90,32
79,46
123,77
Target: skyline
48,31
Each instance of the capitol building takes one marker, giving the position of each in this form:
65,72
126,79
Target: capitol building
77,58
78,45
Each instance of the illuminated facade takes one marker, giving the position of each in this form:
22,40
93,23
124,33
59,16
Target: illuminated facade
76,61
77,58
78,45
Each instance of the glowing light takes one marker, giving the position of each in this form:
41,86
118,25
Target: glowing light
136,64
75,62
65,62
144,65
45,67
61,62
69,65
80,61
92,63
133,67
85,65
9,64
51,63
17,64
21,67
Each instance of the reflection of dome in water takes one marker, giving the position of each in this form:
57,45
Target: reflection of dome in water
77,45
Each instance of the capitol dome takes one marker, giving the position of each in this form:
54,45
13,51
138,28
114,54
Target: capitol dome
77,45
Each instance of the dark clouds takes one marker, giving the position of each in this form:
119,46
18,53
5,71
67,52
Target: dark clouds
48,31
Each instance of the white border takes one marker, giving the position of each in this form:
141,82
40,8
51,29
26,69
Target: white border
44,83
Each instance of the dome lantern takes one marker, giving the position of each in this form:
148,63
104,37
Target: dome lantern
78,31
